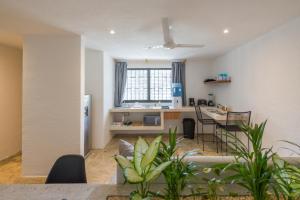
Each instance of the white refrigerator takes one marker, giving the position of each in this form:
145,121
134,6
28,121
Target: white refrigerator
87,123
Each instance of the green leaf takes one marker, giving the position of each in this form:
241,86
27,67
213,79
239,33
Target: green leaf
279,162
207,170
123,162
132,176
140,149
151,152
152,175
135,196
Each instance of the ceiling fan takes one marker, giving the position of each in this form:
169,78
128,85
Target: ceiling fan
169,42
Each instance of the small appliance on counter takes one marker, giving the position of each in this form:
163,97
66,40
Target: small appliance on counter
151,120
202,102
211,100
191,102
223,108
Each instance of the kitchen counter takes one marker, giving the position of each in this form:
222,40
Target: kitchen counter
212,112
152,109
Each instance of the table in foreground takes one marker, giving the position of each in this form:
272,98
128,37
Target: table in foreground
66,191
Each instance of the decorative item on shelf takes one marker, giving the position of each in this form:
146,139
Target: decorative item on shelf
117,123
222,76
165,107
127,123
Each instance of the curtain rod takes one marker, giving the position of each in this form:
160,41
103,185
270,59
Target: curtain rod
147,60
179,60
121,60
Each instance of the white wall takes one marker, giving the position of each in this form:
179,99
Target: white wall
11,101
100,84
108,95
265,79
52,100
197,70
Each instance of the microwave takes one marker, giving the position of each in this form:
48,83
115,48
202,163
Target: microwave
151,120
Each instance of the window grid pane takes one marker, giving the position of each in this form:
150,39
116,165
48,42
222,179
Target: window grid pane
159,88
160,84
136,85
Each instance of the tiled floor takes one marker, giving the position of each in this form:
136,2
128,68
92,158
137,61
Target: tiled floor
100,165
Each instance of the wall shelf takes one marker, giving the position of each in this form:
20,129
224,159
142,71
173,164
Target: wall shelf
218,81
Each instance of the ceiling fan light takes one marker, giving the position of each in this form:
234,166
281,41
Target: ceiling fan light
226,31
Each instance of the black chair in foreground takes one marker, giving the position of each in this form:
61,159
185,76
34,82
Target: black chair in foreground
67,169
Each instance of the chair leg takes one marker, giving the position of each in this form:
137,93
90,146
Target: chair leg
235,141
202,136
216,138
226,143
248,145
197,133
221,140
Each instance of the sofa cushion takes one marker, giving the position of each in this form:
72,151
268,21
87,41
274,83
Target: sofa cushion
125,148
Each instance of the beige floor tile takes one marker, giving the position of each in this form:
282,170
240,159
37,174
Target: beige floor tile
100,164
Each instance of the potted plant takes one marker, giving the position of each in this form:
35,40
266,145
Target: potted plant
253,169
142,170
178,172
214,185
287,176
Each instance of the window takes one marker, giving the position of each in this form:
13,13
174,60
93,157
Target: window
148,85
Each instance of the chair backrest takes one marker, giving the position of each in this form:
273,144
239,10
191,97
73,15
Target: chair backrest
68,169
198,113
238,118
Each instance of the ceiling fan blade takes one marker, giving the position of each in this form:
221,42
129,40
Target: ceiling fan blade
190,45
166,30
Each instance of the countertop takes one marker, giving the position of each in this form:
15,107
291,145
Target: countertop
209,111
153,109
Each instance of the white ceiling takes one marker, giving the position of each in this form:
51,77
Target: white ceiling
138,23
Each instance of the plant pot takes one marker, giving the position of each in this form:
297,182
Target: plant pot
120,197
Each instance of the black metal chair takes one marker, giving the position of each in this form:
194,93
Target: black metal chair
205,121
232,124
68,169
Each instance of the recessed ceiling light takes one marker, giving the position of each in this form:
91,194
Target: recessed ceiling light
226,31
112,32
